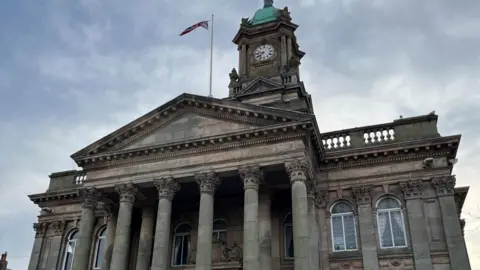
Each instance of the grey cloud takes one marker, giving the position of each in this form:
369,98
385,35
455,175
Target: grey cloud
367,62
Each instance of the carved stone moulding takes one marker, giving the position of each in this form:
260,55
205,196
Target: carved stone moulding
167,187
363,194
151,120
299,169
46,197
412,189
207,181
445,185
90,197
251,175
177,149
126,192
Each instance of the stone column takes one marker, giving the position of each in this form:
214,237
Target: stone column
313,227
321,198
363,195
265,230
299,170
40,230
111,217
251,176
122,233
413,192
207,181
457,249
144,253
87,221
167,187
56,244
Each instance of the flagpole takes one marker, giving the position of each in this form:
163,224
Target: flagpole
211,58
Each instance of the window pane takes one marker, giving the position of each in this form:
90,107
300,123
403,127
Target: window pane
184,228
185,248
219,225
99,256
349,223
341,208
177,250
288,241
337,229
388,203
398,228
384,229
69,254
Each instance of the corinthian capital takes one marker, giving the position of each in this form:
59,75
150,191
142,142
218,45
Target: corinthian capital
207,181
90,197
127,192
298,169
58,226
444,185
40,229
321,198
412,189
251,176
363,194
167,187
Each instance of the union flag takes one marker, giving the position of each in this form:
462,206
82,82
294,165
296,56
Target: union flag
203,24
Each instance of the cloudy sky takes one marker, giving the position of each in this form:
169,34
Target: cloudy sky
72,71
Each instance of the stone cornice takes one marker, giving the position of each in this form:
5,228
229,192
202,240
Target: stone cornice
224,109
202,145
65,195
393,152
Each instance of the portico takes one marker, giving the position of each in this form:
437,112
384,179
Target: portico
252,177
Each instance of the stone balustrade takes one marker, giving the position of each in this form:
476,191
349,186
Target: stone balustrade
400,130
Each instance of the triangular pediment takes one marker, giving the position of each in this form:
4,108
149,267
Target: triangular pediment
188,126
188,117
261,85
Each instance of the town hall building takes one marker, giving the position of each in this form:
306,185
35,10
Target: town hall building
250,182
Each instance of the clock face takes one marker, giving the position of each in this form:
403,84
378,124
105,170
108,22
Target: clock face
263,52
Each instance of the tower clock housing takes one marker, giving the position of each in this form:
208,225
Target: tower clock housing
269,60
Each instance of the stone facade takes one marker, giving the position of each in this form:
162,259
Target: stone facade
204,183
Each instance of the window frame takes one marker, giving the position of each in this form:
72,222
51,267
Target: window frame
66,245
285,244
343,215
389,211
217,232
182,234
99,237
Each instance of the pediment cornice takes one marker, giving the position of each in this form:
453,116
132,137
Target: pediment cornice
187,103
261,135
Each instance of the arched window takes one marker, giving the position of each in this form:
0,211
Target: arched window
344,236
69,250
288,237
219,230
99,248
391,227
181,244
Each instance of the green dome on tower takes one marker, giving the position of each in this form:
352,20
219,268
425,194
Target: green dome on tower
267,14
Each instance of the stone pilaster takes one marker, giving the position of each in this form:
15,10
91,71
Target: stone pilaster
363,196
265,230
313,227
111,214
40,230
321,200
54,257
413,193
251,177
85,232
457,249
167,187
122,233
146,239
207,182
299,170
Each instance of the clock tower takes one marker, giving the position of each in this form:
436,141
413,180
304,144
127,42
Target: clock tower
269,60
